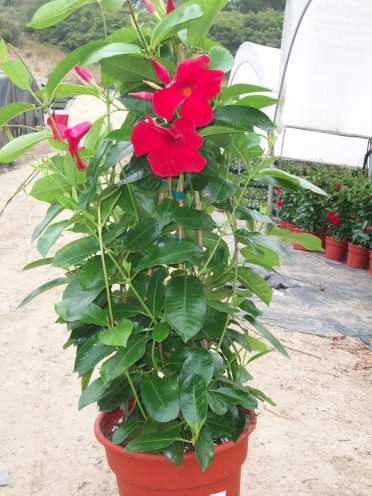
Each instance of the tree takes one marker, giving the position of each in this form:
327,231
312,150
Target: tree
246,6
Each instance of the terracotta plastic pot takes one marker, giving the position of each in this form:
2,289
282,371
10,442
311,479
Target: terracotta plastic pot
335,250
370,261
290,226
283,224
322,236
357,256
297,246
143,474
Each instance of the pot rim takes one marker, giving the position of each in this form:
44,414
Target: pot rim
117,448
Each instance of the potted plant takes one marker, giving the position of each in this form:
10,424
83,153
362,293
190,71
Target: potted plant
160,295
358,247
340,220
288,207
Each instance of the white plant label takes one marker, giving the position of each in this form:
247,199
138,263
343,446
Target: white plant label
223,493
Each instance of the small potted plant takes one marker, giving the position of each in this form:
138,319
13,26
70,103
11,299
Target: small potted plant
288,205
160,295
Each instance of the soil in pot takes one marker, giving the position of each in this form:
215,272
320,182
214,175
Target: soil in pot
144,474
335,250
357,256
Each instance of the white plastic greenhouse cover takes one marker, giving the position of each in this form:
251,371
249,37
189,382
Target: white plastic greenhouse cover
324,80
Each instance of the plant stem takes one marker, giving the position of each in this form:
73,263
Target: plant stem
138,29
102,250
136,395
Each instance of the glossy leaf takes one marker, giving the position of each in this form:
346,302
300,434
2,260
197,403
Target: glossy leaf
174,22
241,89
19,146
175,452
90,354
204,449
76,252
267,335
243,117
172,253
164,212
51,236
12,110
185,305
155,290
220,59
255,283
145,232
124,358
217,403
52,212
92,274
110,50
18,73
41,289
194,401
123,431
199,361
118,335
220,188
160,332
38,263
161,402
90,314
308,241
53,12
199,28
154,441
192,219
128,68
118,391
237,397
47,187
300,181
258,101
92,393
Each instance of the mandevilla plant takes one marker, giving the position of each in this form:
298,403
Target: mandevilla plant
160,288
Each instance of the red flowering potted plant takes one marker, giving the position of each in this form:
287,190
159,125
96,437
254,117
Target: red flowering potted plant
159,296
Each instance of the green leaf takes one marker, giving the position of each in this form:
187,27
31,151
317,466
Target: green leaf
258,101
90,314
112,5
217,404
124,430
164,212
192,219
267,335
243,117
241,89
175,452
52,212
255,283
204,449
185,305
118,391
92,274
66,89
92,393
308,241
221,189
171,253
154,441
3,51
38,263
41,289
18,73
76,252
304,183
194,401
128,68
110,50
12,110
53,12
19,146
218,424
90,354
238,397
220,59
117,152
161,402
198,361
160,332
124,358
265,258
47,187
174,22
199,28
118,335
155,290
50,236
219,130
145,232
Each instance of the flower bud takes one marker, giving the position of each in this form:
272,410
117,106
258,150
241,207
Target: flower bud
84,74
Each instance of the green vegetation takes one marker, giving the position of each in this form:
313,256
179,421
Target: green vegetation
258,21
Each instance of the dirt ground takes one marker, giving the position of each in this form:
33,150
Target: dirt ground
316,442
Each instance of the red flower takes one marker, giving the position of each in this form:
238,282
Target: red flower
339,186
191,88
170,6
73,134
333,218
280,203
278,190
84,73
170,150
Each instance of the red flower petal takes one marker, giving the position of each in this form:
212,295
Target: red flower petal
59,126
190,68
84,73
170,6
166,101
149,6
162,163
74,135
80,163
161,72
208,83
147,136
197,109
188,159
185,129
